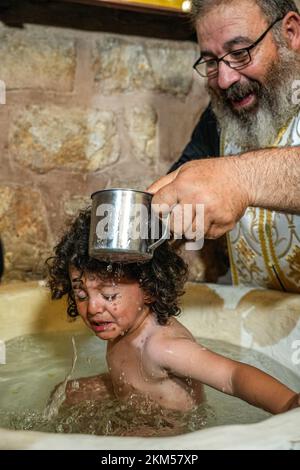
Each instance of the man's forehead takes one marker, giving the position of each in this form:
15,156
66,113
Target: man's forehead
223,24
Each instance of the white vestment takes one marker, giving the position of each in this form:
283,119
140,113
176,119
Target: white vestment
264,247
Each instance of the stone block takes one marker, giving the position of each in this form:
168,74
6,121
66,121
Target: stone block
141,123
53,137
36,58
24,233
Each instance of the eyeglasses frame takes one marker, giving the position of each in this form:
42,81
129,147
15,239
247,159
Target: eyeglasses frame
221,59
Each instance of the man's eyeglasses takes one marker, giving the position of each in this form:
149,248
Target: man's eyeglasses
237,59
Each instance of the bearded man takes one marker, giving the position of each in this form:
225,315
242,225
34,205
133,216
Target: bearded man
250,56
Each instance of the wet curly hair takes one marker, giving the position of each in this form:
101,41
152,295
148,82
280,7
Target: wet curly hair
162,278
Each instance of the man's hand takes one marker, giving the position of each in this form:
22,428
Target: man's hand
219,184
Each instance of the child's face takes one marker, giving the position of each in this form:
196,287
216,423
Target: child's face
110,308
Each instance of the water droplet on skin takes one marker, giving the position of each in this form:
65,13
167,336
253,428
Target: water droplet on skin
119,271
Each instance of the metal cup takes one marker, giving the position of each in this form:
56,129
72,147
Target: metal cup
122,226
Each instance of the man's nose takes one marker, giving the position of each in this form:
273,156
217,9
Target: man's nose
227,76
96,305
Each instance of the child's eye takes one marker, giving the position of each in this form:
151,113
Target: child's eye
80,295
109,297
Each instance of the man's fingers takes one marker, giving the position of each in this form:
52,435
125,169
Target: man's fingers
161,182
217,231
165,199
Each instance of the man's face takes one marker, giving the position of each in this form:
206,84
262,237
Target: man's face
227,28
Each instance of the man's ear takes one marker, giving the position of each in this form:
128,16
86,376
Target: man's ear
291,30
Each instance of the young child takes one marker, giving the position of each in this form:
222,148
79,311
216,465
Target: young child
149,352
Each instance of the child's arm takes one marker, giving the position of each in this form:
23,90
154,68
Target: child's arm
262,390
185,358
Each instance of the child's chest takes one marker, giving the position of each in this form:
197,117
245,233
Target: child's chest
129,369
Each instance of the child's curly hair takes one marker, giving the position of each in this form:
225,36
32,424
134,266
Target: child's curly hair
162,278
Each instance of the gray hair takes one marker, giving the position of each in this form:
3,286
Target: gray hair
271,9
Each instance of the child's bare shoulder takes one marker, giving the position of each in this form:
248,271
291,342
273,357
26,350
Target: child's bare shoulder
174,329
163,335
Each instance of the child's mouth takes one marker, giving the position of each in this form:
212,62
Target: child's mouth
100,326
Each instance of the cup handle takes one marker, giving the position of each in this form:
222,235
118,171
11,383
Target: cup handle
164,237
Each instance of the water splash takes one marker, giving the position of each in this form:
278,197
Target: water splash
59,394
119,271
40,357
109,268
111,417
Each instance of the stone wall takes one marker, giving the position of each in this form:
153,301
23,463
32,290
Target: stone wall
85,110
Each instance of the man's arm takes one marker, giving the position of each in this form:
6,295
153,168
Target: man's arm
185,358
268,178
273,178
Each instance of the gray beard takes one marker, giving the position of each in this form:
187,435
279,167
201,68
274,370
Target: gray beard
259,128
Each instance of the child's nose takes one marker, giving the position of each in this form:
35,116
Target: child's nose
95,305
